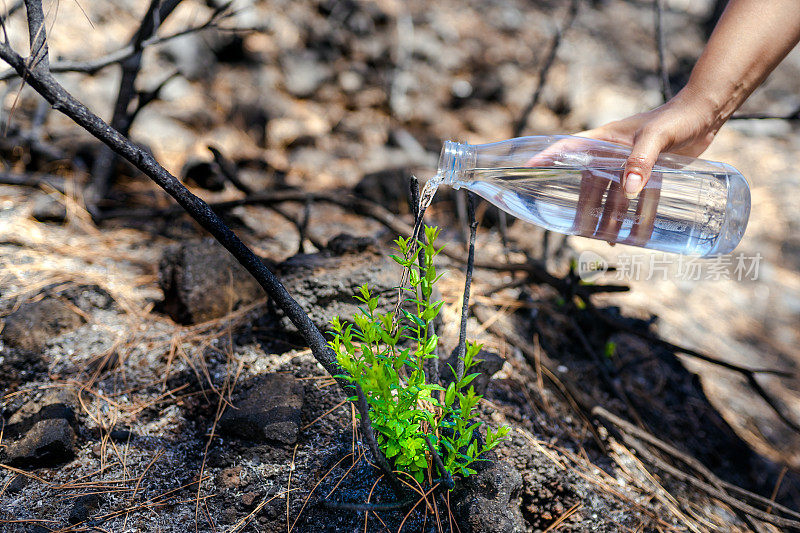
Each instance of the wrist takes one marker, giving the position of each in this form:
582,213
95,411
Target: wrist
711,109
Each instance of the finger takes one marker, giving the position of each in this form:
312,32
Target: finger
638,167
646,211
614,212
590,196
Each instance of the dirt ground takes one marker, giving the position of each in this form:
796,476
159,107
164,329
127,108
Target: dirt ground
129,344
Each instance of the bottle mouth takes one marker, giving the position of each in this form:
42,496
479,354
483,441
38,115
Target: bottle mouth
454,160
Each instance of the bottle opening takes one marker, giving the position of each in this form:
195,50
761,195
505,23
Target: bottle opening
455,159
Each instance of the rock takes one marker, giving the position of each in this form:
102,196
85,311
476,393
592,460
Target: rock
83,507
303,73
48,442
324,283
33,324
202,281
489,501
249,498
231,477
48,209
40,432
267,408
88,297
18,483
345,243
490,364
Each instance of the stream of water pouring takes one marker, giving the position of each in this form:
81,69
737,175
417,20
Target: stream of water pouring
425,199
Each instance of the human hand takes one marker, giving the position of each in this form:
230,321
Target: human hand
680,126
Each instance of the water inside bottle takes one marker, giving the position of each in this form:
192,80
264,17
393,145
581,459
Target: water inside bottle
671,214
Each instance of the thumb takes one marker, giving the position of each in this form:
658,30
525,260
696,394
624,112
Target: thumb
645,151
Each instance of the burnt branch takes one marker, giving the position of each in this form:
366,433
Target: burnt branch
794,115
122,118
145,98
369,436
519,126
663,74
93,66
462,335
447,479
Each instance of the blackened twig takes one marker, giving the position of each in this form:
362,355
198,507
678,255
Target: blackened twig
145,98
447,479
519,126
93,66
794,115
462,335
229,170
365,506
122,118
369,436
663,74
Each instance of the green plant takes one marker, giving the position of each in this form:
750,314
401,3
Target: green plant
386,356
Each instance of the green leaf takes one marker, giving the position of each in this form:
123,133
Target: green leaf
450,395
466,380
610,349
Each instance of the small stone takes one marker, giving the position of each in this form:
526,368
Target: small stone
267,408
345,243
231,477
303,73
40,432
202,281
249,498
48,209
48,442
17,484
83,507
490,500
33,324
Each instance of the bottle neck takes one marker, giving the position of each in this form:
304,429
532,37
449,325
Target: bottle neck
456,163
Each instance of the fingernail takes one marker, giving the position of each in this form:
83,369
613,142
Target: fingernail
633,184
